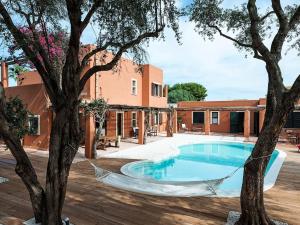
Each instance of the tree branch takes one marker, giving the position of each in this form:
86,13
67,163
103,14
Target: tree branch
116,58
256,54
266,16
90,13
294,92
277,43
272,66
32,26
70,74
230,38
257,42
23,167
95,51
295,19
50,82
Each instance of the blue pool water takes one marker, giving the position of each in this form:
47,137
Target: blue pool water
196,162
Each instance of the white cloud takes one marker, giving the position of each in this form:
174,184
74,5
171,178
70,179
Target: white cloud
218,65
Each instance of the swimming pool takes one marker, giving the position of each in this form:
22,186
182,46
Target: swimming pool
206,161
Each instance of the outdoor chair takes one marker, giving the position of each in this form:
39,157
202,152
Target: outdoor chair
153,131
292,137
298,146
183,127
197,129
107,141
135,132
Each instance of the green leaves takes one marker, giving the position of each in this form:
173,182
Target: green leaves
97,107
206,13
17,116
187,92
16,70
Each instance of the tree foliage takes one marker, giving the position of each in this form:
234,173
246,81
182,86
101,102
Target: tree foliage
234,23
178,95
187,92
17,115
98,109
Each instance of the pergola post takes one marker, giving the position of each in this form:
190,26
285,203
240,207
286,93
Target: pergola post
207,122
4,74
175,123
169,126
90,130
141,125
247,124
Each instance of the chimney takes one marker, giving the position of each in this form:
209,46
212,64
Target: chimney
4,74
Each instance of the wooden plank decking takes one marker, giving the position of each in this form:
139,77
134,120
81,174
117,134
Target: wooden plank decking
91,203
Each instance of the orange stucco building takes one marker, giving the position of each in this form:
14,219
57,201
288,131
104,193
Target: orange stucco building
129,85
130,91
243,117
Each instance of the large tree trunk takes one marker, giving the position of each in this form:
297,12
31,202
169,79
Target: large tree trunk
64,143
252,200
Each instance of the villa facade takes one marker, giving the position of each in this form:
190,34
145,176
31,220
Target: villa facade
132,90
128,87
241,117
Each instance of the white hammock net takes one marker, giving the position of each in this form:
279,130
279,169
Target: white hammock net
2,180
159,188
165,188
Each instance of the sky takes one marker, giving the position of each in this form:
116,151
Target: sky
217,65
225,72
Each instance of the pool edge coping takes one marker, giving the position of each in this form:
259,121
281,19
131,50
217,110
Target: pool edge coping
269,180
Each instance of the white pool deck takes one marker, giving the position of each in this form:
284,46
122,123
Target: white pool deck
167,147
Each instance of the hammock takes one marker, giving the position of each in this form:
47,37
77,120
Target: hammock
3,180
164,188
159,188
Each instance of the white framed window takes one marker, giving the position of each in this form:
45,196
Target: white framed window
34,124
215,117
134,87
134,119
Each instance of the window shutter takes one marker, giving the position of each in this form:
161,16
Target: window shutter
160,90
152,89
160,118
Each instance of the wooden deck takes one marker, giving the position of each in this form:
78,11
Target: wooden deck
91,203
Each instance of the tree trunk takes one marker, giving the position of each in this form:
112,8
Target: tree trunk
64,143
96,142
23,168
252,200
